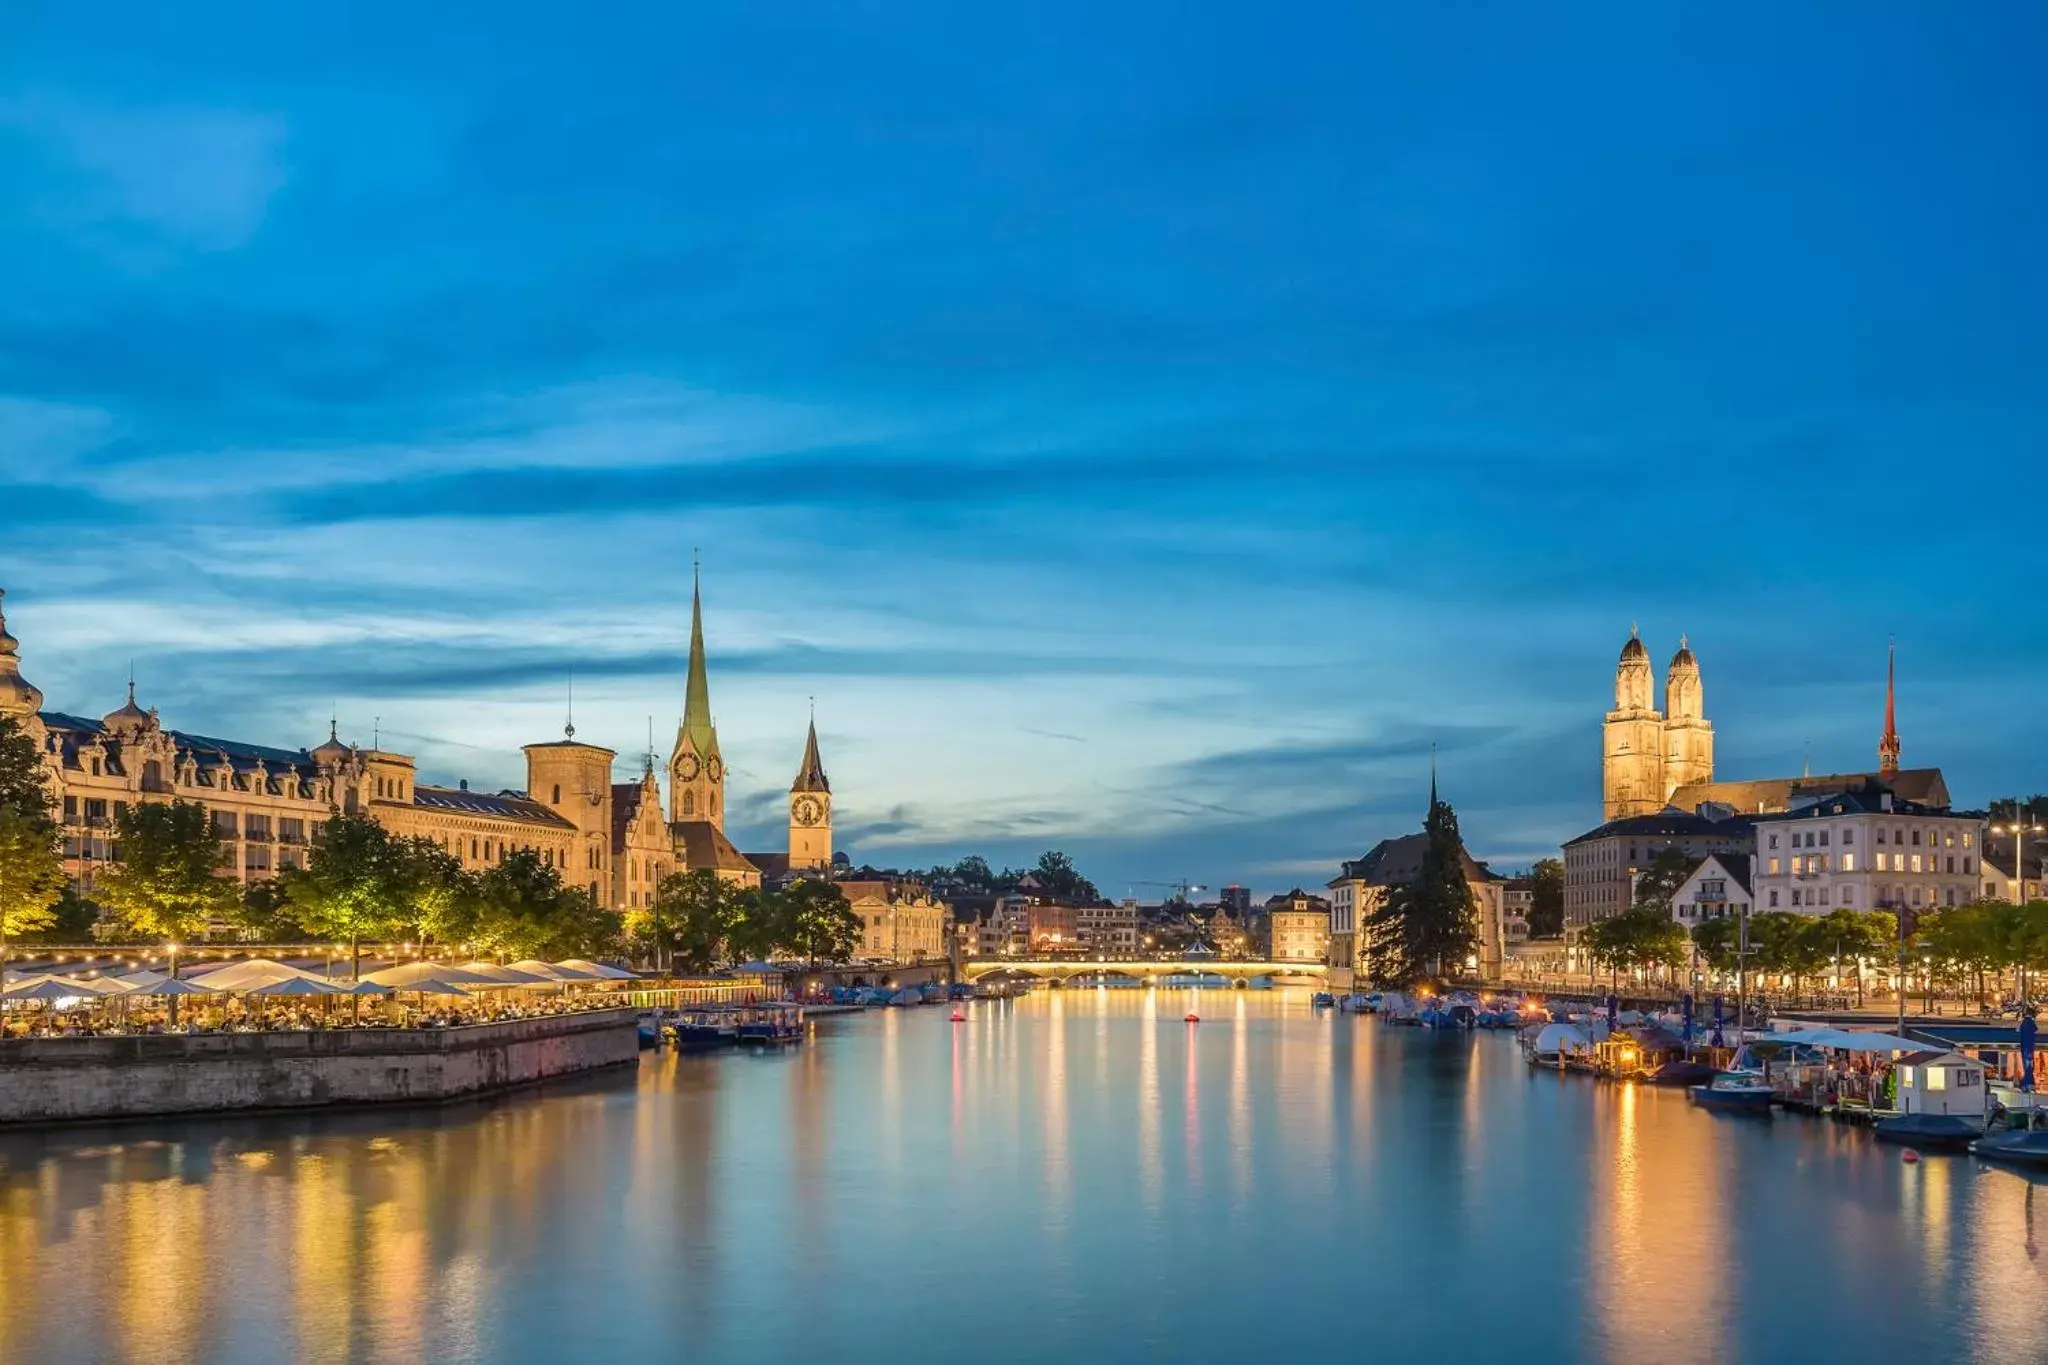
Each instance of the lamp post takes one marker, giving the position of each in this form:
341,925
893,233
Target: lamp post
2019,829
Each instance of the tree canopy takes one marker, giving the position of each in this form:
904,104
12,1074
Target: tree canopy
1425,928
164,882
1546,899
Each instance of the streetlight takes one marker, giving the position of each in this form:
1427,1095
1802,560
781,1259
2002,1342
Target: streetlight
2019,829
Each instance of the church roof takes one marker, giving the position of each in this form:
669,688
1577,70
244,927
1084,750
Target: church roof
1395,862
704,845
1667,824
810,777
1922,786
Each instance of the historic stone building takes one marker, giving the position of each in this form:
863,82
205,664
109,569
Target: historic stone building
1647,754
900,920
1298,926
269,805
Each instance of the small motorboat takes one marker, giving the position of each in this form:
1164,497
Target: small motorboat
1940,1132
2022,1146
1322,1000
703,1030
1737,1092
772,1024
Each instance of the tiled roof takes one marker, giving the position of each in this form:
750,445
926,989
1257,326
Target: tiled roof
1394,862
705,846
1921,785
501,806
1667,824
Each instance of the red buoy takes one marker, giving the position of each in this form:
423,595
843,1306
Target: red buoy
1193,1018
1909,1156
958,1017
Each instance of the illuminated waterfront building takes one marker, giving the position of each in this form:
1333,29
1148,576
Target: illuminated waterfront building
1299,927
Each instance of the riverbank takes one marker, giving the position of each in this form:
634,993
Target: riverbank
70,1080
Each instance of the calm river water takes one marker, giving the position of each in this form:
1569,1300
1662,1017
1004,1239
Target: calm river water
1078,1175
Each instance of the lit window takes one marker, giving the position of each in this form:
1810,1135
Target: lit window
1848,862
1937,1078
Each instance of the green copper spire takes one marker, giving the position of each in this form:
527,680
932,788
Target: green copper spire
697,696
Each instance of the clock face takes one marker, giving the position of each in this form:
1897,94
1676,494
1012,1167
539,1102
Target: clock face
686,767
717,770
807,811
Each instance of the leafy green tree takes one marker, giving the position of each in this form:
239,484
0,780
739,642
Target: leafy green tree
1546,899
24,784
1055,872
818,925
1716,941
704,908
266,914
31,876
1852,935
521,901
1660,882
164,882
350,888
439,900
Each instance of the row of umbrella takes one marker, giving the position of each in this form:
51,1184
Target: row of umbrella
262,976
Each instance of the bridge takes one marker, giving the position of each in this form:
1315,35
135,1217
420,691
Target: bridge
1150,971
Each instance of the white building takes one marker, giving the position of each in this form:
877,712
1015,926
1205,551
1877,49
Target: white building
1108,929
1717,888
1866,850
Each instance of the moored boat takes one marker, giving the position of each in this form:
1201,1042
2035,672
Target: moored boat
1679,1071
703,1030
1940,1132
771,1024
2022,1146
1322,1000
1741,1092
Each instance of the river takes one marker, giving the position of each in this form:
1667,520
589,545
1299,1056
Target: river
1076,1175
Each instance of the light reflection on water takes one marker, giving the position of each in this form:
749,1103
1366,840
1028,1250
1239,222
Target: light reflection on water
1056,1176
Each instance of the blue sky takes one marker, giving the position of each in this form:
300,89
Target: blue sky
1144,428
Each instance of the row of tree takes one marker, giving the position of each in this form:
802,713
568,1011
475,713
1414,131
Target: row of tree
1054,874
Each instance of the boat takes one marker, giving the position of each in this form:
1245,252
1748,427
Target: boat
771,1024
1322,1000
1679,1071
1739,1092
1547,1045
909,995
2023,1146
1940,1132
703,1030
649,1025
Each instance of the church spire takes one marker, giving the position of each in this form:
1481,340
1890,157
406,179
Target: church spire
1888,746
810,777
1432,777
697,694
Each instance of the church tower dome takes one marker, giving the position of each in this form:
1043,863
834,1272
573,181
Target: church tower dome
18,697
1632,676
1682,693
128,722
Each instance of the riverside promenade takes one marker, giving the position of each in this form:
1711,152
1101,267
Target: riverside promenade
66,1079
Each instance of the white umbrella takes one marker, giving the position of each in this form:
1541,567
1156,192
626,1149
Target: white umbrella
409,976
298,985
49,988
548,971
600,970
171,986
246,976
504,976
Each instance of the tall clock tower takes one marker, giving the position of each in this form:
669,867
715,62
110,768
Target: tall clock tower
810,810
696,770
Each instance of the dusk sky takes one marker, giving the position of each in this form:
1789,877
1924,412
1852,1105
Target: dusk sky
1143,428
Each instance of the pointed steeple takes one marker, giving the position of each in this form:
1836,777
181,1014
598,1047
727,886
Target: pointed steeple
810,777
1432,777
1888,746
697,694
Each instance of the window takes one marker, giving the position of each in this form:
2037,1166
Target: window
1966,838
1966,857
1774,844
1916,838
1774,900
1937,1078
1951,862
1848,895
1848,837
1848,862
472,846
1880,834
1795,895
1914,865
558,793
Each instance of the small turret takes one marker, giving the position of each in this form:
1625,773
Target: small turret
18,697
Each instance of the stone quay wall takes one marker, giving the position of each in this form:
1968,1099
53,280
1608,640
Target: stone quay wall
59,1080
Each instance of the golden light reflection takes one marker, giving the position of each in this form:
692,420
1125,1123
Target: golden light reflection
1058,1176
1151,1176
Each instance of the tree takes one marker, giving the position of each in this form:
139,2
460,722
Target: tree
818,924
350,887
1546,899
1426,927
522,905
163,883
1716,942
31,876
1639,938
24,785
1853,935
267,915
438,899
1055,872
1657,885
704,907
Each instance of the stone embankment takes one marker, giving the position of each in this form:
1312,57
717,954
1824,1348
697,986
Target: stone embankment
59,1080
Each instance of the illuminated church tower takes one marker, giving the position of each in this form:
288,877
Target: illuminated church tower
696,770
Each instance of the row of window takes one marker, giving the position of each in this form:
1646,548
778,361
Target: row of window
1809,863
1894,897
1900,835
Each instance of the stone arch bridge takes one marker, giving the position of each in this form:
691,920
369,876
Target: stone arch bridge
1061,970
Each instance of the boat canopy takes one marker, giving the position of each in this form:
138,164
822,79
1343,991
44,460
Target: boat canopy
1562,1038
1844,1040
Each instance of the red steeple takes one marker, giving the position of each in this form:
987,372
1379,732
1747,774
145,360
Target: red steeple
1888,747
